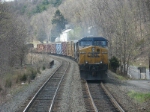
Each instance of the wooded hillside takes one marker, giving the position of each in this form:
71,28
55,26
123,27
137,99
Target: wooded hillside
124,23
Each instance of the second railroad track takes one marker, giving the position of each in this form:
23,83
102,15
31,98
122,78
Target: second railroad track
98,99
43,100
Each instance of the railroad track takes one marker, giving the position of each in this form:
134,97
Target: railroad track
98,99
43,100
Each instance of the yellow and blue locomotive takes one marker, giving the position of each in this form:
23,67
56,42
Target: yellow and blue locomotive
91,54
92,58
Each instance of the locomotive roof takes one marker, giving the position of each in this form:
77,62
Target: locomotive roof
93,38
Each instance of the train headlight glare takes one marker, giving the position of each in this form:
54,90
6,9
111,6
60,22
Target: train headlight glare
101,62
86,62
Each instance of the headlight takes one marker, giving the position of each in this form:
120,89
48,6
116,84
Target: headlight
86,62
101,62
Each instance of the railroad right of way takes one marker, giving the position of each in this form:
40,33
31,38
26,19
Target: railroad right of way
71,97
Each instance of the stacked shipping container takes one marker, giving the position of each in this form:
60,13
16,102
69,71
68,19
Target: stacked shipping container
62,48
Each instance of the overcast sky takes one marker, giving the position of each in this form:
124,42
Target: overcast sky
7,0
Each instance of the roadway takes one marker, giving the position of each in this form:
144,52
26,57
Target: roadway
135,74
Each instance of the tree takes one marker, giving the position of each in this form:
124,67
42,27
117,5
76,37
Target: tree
59,23
59,19
55,3
12,38
114,63
41,35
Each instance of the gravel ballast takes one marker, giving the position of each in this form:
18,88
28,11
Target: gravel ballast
72,97
120,89
19,98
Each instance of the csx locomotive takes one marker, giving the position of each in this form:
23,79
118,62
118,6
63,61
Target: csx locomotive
91,54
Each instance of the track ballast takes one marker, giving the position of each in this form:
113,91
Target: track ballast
43,100
98,99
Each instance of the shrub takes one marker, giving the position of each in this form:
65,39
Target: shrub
114,63
8,83
18,78
33,74
1,88
23,78
44,68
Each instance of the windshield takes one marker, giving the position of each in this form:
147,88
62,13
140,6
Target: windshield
100,43
85,43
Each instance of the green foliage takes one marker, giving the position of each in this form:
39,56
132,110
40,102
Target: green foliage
41,7
43,67
8,83
26,8
20,7
141,97
59,19
23,9
41,35
23,78
30,75
121,77
33,74
114,63
45,2
55,31
55,3
59,23
1,88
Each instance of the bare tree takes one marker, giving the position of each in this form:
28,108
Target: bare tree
12,38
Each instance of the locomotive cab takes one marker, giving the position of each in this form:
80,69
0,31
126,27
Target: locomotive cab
93,58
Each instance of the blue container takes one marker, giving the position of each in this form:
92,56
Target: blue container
58,48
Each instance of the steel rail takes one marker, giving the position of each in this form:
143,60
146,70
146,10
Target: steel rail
112,99
29,104
50,109
94,106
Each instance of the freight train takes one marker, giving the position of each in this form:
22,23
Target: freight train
91,54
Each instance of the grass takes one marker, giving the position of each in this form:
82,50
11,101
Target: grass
138,96
11,82
120,77
8,83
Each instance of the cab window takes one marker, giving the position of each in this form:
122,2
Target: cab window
100,43
85,43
